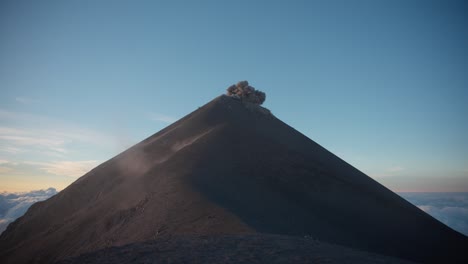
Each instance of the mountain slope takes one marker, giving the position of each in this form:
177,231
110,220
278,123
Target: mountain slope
227,168
236,249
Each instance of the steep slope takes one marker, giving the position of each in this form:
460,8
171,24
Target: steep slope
227,168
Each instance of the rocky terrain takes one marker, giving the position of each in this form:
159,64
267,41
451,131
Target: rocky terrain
233,249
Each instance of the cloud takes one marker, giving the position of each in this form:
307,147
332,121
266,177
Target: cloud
66,168
6,166
54,140
25,100
5,169
389,172
396,169
23,133
11,150
10,115
45,128
449,208
14,205
161,118
42,141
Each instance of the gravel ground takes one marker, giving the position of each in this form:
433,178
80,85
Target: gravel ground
232,249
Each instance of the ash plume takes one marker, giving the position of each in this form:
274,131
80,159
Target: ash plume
246,93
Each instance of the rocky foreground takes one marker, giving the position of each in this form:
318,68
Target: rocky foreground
232,249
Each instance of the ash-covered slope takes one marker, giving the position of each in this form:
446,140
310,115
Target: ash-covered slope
227,168
233,249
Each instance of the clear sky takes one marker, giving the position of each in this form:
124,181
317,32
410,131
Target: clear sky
382,84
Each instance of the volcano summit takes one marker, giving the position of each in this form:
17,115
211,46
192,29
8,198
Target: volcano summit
228,168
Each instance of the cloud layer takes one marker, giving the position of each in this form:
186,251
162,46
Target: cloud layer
35,146
66,168
14,205
449,208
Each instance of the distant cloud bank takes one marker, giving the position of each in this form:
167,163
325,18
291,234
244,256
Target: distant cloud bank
449,208
14,205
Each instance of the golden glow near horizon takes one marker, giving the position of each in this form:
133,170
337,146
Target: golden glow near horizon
32,183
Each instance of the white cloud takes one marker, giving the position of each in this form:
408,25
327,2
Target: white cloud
389,172
4,169
14,205
37,126
11,150
66,168
396,169
43,141
25,100
453,216
449,208
22,133
162,118
54,138
3,224
5,166
4,114
39,144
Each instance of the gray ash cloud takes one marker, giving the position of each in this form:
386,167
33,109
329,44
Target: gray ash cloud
243,91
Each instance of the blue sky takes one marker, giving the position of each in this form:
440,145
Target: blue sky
382,84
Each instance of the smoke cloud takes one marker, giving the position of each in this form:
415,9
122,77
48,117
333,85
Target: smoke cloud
243,91
14,205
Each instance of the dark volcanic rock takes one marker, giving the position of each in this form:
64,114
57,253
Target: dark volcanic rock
233,249
227,169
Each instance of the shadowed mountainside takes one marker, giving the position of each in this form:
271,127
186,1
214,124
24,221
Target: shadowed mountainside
235,249
227,168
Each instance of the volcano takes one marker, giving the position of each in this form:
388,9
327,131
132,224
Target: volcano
228,168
